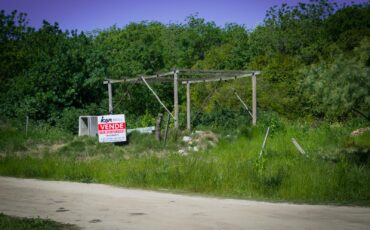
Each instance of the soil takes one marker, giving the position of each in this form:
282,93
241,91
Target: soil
96,206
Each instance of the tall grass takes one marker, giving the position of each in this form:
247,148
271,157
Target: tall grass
328,173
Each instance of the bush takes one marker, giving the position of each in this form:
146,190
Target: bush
270,119
69,119
221,117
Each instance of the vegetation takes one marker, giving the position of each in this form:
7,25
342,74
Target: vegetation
335,169
9,222
314,86
54,76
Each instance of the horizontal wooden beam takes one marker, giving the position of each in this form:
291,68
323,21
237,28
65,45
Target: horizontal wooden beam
191,81
130,79
136,80
195,72
209,75
213,75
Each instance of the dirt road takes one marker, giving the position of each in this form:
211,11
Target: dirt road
95,206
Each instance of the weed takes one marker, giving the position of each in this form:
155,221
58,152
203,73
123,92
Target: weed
232,168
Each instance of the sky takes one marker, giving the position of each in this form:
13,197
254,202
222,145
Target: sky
88,15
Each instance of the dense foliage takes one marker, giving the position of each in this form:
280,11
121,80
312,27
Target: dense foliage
315,59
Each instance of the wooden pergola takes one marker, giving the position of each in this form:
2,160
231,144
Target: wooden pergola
188,77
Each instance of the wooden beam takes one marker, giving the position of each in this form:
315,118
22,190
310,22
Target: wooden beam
188,122
194,71
156,96
209,75
27,118
241,101
298,147
130,79
264,141
200,80
254,99
110,108
166,130
161,77
158,126
176,98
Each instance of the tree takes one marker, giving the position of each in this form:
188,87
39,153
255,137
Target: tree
335,89
293,30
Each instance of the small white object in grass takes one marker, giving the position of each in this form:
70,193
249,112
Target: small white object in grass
298,147
186,139
148,130
182,151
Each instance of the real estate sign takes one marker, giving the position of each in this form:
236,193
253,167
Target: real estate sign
112,128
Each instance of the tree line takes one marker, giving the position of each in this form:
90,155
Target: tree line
314,58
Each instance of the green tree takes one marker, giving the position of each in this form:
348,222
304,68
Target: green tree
293,30
336,89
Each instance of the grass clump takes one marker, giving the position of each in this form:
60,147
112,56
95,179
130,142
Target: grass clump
10,223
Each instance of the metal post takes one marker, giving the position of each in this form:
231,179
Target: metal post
188,125
254,100
110,110
176,98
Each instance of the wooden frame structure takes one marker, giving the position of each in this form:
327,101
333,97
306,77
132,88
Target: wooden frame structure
188,77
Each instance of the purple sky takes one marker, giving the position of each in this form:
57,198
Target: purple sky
88,15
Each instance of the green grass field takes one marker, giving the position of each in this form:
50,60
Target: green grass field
335,169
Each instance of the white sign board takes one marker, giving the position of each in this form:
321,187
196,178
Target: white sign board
112,128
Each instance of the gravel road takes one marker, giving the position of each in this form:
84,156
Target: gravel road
95,206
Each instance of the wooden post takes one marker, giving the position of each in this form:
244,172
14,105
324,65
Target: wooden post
176,98
158,127
298,147
264,141
26,125
166,130
254,99
188,122
110,110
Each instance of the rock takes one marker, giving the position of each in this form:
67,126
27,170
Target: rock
183,152
199,141
186,139
199,132
359,131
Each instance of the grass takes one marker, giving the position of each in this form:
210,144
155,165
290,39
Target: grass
335,170
10,222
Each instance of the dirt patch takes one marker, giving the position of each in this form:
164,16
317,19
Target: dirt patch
138,209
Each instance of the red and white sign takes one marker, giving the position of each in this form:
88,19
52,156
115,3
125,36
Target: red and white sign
112,128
